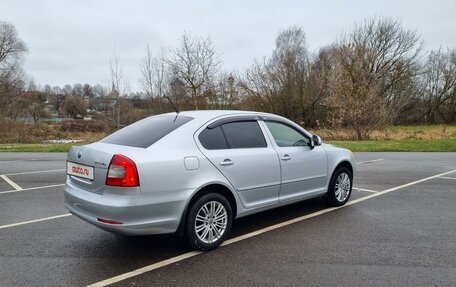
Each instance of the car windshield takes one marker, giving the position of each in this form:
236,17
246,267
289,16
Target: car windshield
146,132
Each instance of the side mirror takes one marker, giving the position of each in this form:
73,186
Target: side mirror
316,140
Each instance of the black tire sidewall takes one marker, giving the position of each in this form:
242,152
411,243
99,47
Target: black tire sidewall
192,237
331,195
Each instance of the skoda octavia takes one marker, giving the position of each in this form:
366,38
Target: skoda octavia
194,172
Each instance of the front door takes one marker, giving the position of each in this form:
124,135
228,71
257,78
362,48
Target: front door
304,169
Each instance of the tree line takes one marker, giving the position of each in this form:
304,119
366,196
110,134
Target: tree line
376,75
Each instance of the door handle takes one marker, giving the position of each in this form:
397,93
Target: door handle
226,162
285,157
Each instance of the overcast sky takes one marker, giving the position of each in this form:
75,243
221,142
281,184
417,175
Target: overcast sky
73,41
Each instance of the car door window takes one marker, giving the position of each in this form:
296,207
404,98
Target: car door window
213,138
245,134
286,136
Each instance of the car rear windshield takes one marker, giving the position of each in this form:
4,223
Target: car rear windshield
146,132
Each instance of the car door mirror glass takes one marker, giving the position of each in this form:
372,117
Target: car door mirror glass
316,140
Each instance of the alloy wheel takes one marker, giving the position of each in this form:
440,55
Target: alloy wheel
343,186
211,221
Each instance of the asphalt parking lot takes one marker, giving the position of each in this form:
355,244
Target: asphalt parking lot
399,228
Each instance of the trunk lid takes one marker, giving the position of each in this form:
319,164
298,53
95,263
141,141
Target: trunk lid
94,156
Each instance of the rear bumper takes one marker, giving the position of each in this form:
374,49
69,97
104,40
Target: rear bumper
154,213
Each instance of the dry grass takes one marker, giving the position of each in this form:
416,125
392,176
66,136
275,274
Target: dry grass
22,132
428,132
87,137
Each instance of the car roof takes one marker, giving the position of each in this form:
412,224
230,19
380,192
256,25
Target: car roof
206,115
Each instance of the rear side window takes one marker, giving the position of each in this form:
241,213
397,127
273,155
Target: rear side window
213,138
246,134
146,132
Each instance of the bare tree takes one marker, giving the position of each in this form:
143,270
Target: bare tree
225,93
87,92
99,91
321,68
12,48
195,62
260,91
439,86
117,77
78,90
33,104
147,73
67,90
153,72
374,69
74,106
12,80
279,84
177,92
119,85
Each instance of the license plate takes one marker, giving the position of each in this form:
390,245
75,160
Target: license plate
80,170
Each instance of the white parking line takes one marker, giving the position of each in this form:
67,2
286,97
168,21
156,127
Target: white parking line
363,189
35,220
12,183
147,268
447,177
15,160
31,188
369,161
184,256
38,171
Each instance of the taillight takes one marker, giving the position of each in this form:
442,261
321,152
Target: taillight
122,172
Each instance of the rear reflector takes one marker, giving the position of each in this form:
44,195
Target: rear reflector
109,221
122,171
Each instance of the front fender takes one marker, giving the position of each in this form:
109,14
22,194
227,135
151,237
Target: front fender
336,156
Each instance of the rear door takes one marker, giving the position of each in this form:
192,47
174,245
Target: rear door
304,169
239,149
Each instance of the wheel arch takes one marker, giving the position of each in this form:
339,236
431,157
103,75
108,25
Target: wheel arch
344,163
209,188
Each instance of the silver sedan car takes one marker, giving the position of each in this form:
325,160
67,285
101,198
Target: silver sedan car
194,172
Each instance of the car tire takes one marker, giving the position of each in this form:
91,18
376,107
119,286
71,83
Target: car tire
340,187
209,222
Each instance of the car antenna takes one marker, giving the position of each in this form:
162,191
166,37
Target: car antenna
175,108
